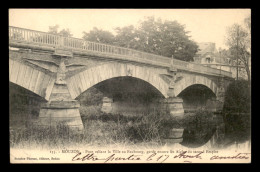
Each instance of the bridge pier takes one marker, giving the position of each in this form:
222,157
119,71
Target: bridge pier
220,95
61,108
55,113
107,105
220,99
175,136
173,105
219,105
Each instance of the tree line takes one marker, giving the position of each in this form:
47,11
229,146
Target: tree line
165,38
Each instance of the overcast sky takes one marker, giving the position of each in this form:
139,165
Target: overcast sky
205,25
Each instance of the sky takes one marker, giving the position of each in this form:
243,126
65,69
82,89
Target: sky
205,25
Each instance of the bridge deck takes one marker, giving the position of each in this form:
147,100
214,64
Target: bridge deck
32,37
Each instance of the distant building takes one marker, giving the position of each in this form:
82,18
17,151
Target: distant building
209,56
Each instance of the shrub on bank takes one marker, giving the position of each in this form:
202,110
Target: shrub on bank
238,97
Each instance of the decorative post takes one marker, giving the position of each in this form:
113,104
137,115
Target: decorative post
61,108
61,42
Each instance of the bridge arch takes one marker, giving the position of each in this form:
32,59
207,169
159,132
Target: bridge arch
30,78
188,81
82,81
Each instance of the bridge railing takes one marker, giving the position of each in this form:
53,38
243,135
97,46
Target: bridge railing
53,40
31,36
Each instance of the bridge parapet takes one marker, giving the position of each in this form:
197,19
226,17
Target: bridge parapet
32,37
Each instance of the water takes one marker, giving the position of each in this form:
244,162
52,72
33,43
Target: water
218,131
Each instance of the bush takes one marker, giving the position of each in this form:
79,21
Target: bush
238,97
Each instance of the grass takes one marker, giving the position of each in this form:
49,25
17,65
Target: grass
101,129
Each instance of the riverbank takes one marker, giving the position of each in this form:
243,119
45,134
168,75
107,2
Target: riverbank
102,129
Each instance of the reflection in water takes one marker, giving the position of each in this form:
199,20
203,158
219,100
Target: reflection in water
194,139
217,130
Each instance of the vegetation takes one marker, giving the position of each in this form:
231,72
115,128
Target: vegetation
63,32
102,129
238,97
99,129
237,112
238,40
166,38
147,129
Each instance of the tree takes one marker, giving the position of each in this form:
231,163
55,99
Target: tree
239,42
63,32
17,36
167,38
99,35
126,37
53,29
237,97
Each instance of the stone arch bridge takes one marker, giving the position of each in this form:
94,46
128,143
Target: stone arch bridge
60,68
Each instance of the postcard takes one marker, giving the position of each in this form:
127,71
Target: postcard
130,86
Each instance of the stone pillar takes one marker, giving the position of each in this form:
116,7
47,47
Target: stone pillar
220,102
107,105
220,95
61,108
174,105
175,135
56,113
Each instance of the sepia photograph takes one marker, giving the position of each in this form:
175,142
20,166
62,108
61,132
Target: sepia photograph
129,85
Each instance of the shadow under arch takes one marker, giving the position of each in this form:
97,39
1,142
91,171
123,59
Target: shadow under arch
125,84
82,81
130,95
24,105
188,81
198,96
